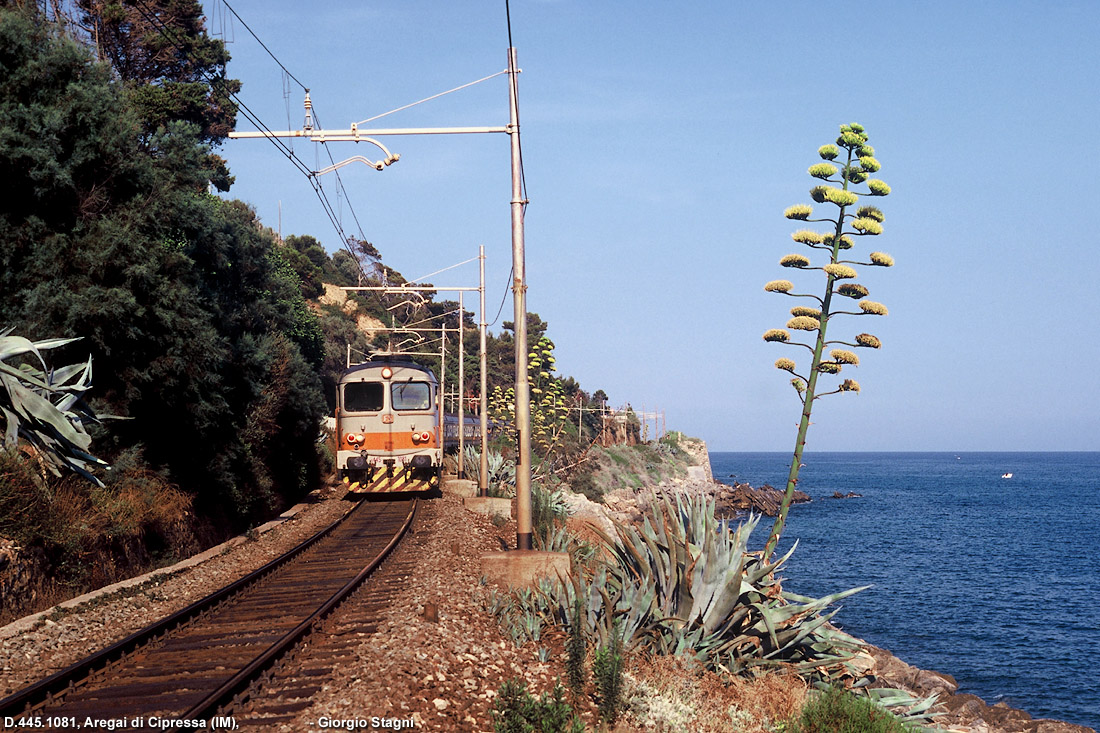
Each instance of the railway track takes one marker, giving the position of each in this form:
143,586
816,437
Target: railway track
203,661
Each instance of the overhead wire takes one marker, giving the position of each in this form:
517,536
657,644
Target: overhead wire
428,99
519,145
331,212
339,180
515,94
217,86
269,52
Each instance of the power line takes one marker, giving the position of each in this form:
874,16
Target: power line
515,94
269,52
287,72
217,86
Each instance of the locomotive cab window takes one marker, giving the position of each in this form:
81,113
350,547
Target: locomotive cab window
411,396
363,396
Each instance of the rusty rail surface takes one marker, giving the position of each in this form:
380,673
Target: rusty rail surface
196,661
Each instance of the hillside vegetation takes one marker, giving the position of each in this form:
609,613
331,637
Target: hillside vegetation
214,353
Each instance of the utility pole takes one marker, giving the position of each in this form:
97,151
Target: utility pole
519,297
461,390
519,281
483,473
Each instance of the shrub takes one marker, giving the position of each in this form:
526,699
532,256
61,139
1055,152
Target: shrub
607,669
76,524
583,481
838,711
576,648
516,711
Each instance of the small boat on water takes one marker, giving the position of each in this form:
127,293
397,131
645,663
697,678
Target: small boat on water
1006,475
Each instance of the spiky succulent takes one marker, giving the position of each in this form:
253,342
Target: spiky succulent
45,407
685,583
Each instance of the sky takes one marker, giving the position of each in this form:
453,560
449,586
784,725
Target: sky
662,143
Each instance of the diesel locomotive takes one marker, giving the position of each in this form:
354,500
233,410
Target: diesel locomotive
389,430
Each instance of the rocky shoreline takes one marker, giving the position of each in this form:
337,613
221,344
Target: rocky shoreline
45,642
960,711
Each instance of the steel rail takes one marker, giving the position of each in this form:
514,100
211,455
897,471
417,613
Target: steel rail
78,674
240,682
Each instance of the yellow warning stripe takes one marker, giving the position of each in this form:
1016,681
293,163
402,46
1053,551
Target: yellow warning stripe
403,480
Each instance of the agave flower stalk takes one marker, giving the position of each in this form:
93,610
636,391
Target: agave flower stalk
850,161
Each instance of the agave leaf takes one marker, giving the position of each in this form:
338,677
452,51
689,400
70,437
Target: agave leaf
36,409
791,637
17,346
58,377
11,431
35,379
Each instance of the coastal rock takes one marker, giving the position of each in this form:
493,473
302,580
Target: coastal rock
628,506
899,675
849,495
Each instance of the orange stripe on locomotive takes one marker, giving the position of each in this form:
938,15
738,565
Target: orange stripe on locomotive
387,421
389,441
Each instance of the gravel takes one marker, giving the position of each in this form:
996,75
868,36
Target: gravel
437,660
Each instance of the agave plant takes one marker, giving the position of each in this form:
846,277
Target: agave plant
709,595
45,407
685,583
502,472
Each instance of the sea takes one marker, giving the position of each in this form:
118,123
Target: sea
994,580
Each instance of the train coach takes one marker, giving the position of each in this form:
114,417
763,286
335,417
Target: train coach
388,429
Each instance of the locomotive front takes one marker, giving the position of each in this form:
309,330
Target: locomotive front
387,422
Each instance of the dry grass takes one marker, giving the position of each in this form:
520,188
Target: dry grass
73,535
675,694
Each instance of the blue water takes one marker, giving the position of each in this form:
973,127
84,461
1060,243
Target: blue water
993,581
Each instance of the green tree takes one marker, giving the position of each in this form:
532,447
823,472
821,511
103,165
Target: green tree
856,163
308,259
172,70
198,331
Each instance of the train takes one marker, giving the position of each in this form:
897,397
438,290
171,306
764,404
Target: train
389,433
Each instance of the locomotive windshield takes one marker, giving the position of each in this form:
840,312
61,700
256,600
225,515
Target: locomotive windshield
411,396
363,396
